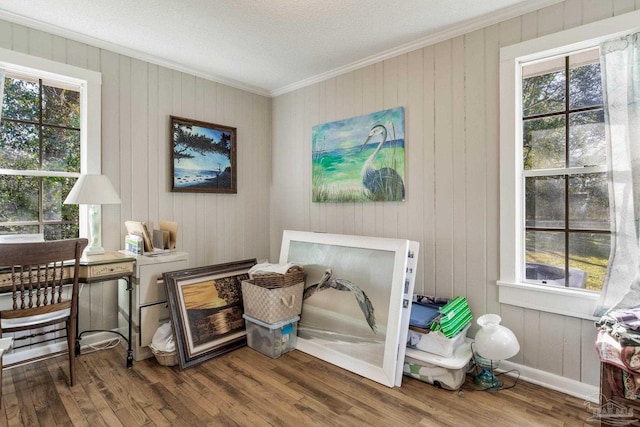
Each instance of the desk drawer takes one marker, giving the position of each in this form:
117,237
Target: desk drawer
105,270
151,287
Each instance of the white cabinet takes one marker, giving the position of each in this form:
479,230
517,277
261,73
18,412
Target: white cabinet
149,307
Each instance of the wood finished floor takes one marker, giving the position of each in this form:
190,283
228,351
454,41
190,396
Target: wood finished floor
245,388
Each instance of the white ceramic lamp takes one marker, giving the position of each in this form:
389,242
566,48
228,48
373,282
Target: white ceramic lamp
93,190
493,343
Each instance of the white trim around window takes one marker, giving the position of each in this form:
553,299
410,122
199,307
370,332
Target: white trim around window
512,289
90,83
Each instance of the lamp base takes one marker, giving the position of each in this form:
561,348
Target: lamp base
94,250
487,380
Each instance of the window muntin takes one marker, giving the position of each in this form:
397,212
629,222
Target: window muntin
566,221
40,145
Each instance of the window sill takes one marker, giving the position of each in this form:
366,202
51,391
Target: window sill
567,302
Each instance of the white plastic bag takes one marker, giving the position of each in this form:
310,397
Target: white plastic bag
163,338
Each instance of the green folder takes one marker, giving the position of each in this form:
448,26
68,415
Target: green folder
454,316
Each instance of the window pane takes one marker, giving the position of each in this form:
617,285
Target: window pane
585,86
589,202
587,143
18,198
543,94
61,107
20,99
20,229
61,149
60,231
544,143
589,253
545,257
545,202
55,190
69,212
19,147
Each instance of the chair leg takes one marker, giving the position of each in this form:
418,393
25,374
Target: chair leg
1,369
71,344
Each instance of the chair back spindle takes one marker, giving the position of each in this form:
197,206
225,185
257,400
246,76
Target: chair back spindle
44,290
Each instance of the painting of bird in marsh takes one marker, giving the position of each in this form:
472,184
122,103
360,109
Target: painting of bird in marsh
382,183
360,159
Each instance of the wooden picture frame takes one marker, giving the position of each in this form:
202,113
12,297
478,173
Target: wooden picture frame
341,271
206,310
203,157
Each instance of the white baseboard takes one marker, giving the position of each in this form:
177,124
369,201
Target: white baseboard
41,351
588,392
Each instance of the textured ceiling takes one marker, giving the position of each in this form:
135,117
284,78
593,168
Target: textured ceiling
266,46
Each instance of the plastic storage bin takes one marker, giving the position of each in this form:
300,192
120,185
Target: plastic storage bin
443,372
436,342
271,339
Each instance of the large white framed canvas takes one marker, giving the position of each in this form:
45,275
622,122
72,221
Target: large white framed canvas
356,316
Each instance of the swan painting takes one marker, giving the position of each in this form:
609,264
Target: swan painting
360,159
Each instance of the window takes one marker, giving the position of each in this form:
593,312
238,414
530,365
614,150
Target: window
553,203
49,135
39,156
566,220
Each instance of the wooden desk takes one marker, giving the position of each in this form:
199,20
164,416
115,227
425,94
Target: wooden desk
97,268
100,268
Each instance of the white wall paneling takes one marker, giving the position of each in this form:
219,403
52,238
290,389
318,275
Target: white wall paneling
137,100
450,92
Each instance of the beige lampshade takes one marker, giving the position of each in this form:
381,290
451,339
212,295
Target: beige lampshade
93,190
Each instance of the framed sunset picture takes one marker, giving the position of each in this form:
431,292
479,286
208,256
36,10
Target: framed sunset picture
206,309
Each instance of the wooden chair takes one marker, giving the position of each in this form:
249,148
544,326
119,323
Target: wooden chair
36,274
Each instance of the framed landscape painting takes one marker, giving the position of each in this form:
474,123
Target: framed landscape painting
206,310
357,300
360,159
203,157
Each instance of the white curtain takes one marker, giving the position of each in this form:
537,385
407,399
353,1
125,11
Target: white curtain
620,61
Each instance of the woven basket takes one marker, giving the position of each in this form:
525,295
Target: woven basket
165,358
292,277
271,305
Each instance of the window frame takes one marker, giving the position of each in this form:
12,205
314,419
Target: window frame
512,288
90,84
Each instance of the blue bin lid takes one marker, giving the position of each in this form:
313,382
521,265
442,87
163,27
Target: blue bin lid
422,315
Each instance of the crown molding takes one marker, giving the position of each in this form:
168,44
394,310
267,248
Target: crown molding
446,34
136,54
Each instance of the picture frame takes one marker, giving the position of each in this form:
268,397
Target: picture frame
206,307
367,338
203,157
359,159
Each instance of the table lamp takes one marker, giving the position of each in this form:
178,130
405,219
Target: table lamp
93,190
493,343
